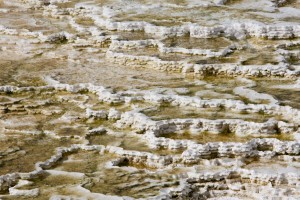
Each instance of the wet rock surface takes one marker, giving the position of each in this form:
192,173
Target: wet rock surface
181,99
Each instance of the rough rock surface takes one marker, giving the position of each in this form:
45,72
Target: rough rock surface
113,99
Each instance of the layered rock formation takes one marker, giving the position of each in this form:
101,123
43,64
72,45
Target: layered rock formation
113,99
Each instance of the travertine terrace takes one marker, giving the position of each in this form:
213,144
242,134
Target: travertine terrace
133,99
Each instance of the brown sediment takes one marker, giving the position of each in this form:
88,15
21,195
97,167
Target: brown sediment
20,153
205,137
150,58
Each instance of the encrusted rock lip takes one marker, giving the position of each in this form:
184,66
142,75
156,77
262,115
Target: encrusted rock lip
58,56
153,130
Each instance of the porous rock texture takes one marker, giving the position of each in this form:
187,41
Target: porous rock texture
175,99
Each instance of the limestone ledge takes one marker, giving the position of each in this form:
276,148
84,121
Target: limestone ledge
252,184
120,44
8,180
235,30
15,191
231,164
280,70
11,180
106,95
277,179
142,123
283,69
155,161
263,148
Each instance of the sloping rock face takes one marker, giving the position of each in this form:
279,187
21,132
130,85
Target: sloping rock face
174,99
